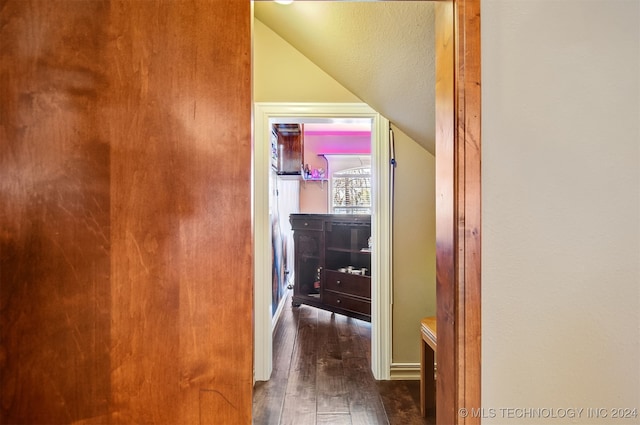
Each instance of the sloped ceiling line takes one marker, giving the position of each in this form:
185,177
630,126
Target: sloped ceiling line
383,52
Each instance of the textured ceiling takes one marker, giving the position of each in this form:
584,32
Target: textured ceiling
380,51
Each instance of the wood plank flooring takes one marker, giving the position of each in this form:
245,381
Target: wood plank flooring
322,375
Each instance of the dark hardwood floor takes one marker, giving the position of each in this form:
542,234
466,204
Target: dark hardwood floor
322,375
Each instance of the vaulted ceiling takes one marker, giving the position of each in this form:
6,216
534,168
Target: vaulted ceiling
383,52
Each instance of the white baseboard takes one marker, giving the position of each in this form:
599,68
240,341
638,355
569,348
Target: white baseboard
276,316
405,371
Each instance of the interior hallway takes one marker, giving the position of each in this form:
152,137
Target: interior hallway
322,375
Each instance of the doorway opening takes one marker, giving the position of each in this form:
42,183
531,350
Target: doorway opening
268,114
458,184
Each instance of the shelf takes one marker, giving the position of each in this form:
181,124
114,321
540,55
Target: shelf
348,274
295,176
311,179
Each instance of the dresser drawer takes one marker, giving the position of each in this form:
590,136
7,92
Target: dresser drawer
302,223
345,302
348,283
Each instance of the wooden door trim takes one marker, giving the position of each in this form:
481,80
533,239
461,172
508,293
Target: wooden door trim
458,211
469,210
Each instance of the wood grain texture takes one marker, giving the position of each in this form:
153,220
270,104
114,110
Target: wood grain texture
268,396
401,400
446,298
54,214
301,394
469,206
458,181
126,230
126,286
332,392
368,401
365,403
333,419
428,347
181,235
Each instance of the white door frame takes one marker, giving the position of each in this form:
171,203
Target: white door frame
380,220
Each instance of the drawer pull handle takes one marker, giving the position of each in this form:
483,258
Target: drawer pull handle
337,282
338,301
306,224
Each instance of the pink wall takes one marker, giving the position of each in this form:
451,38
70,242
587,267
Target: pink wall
334,142
314,196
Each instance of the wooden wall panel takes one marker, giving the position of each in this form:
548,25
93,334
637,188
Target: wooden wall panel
182,270
125,228
54,214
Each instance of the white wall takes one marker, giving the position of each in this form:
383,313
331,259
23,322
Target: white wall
561,207
284,199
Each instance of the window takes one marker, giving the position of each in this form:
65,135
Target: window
351,191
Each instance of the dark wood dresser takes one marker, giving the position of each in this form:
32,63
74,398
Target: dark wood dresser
333,263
